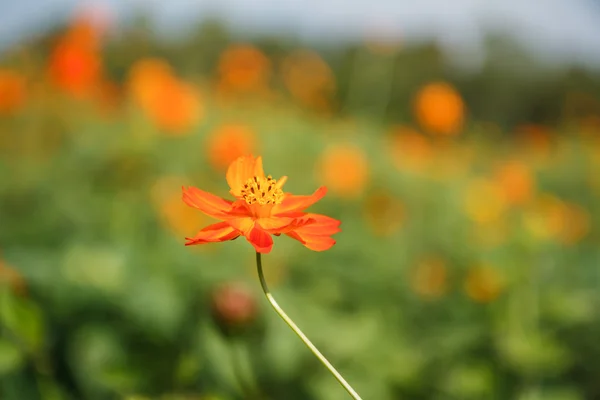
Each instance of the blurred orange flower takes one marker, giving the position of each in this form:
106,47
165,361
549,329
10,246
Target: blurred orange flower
182,220
439,108
484,201
344,168
243,69
173,105
484,284
228,142
516,181
12,91
75,63
383,213
409,149
261,209
309,79
429,278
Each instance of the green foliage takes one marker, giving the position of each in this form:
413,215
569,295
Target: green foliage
116,307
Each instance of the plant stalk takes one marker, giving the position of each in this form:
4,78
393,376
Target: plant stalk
298,332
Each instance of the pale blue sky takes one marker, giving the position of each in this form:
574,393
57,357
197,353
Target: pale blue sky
555,29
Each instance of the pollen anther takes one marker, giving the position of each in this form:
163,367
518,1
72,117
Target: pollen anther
262,191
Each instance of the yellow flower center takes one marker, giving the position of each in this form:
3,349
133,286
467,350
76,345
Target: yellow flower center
262,191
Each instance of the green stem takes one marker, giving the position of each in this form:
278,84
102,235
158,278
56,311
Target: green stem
298,332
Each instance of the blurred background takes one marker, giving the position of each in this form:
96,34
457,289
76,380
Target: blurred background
460,143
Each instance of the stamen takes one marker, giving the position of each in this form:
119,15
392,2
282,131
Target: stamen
262,191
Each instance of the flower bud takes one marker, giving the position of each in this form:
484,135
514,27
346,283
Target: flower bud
234,308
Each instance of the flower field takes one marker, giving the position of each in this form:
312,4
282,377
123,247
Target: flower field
467,266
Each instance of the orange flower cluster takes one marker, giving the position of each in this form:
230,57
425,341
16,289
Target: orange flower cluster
309,79
243,69
228,142
439,109
75,63
261,209
12,91
173,105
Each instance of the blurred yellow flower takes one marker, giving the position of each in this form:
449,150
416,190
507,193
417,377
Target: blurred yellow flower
439,108
173,105
549,218
309,79
243,69
484,201
383,213
484,284
409,149
228,142
429,278
490,235
344,169
12,91
516,181
179,218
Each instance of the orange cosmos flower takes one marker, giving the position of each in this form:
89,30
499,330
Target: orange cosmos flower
345,169
440,109
229,142
261,209
12,91
75,64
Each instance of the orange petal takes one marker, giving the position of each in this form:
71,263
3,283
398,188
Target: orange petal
313,242
208,203
274,224
244,224
258,237
315,233
242,169
319,225
293,204
218,232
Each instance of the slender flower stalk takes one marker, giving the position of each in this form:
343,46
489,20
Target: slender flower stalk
300,334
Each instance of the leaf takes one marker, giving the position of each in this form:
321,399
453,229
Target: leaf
11,357
23,319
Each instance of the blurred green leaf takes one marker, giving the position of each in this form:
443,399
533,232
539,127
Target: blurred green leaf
11,357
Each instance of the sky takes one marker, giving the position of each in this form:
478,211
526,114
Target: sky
564,30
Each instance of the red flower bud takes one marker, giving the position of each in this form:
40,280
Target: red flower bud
234,308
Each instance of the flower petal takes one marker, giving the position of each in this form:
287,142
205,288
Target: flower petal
313,242
258,237
294,204
315,231
274,224
208,203
320,225
242,169
218,232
